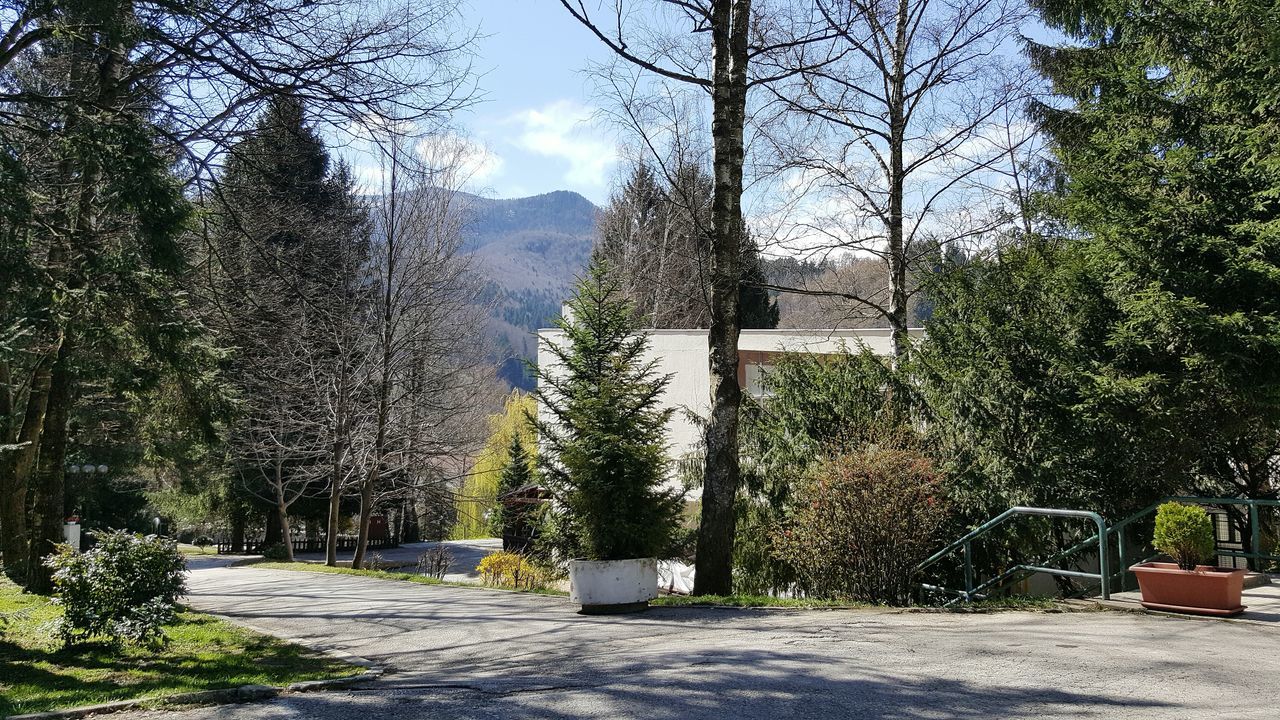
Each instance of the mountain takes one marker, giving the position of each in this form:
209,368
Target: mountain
530,251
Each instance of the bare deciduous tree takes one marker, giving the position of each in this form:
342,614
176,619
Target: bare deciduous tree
726,26
422,345
898,147
721,49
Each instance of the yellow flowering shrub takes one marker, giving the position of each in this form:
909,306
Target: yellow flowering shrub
511,570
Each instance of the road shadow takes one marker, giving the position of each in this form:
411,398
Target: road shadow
748,685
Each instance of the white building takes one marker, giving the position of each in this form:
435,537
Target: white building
683,354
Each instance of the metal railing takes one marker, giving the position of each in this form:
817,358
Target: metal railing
302,545
972,589
1099,542
1254,555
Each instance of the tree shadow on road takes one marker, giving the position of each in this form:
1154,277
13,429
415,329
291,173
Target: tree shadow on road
737,684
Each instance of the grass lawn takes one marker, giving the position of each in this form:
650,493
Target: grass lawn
391,575
36,674
1014,602
197,550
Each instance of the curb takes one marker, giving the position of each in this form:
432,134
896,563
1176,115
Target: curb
221,696
1136,609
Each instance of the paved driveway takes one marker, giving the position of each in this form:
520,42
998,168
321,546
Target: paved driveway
472,653
466,556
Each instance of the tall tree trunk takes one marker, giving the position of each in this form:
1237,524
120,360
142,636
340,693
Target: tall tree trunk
282,510
335,497
714,564
897,139
16,470
81,208
271,531
362,533
48,510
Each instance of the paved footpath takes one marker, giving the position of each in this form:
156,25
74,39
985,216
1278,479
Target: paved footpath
474,653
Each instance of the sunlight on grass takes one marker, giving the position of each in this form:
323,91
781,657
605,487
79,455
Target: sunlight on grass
393,575
204,653
197,550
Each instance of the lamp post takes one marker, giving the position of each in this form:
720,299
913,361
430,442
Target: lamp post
71,524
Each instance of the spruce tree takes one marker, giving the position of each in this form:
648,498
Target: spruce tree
290,238
517,473
1167,131
653,235
759,309
602,431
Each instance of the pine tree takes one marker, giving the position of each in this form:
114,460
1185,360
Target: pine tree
516,474
759,309
602,431
654,237
1170,141
290,238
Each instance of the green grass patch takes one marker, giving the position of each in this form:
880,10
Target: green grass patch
204,653
749,601
1012,602
393,575
1015,602
197,550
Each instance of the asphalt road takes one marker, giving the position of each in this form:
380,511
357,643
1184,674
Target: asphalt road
466,556
472,653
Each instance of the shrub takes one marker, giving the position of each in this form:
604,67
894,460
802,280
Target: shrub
124,590
435,562
512,570
863,522
813,406
275,552
1184,533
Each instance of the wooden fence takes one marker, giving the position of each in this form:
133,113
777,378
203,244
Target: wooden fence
303,545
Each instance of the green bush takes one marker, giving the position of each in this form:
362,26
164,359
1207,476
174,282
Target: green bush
864,521
1184,533
813,407
275,552
124,590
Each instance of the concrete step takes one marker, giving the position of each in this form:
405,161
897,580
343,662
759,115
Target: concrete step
1256,579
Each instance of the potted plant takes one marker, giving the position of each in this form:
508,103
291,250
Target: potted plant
602,430
1185,534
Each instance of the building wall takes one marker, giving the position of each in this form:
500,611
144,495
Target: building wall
683,355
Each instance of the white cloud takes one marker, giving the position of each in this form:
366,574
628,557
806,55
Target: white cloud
563,130
476,165
368,177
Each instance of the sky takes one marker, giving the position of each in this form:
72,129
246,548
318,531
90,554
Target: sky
534,126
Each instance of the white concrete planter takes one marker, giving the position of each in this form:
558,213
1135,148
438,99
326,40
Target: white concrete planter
605,586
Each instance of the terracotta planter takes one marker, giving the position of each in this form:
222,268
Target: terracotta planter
1206,590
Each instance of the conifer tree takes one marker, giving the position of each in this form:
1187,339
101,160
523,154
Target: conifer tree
517,473
653,235
288,246
1170,142
602,431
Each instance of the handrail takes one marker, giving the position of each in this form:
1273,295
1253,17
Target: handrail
1255,528
1103,576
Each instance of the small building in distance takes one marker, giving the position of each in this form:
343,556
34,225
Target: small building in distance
684,355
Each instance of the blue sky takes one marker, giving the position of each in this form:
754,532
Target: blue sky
535,124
